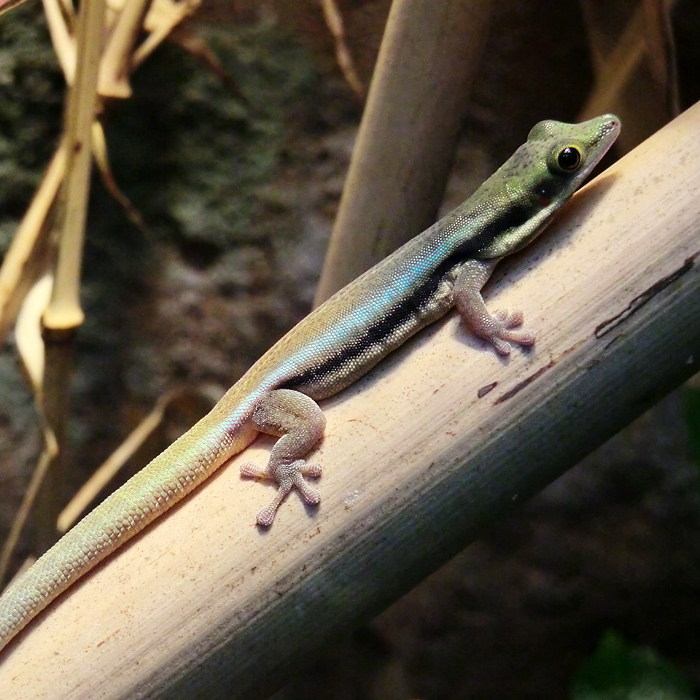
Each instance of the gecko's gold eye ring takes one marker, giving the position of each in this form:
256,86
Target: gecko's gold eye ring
569,159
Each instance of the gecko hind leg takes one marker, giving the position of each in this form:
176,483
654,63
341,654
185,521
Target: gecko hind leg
299,423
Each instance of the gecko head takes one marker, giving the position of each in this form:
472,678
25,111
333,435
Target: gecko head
543,173
563,155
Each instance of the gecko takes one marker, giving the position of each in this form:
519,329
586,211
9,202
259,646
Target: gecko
443,267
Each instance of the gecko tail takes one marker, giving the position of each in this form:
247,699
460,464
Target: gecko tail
163,482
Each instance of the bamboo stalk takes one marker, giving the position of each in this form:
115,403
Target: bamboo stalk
405,147
64,312
438,442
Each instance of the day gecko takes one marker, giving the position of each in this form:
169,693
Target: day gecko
447,265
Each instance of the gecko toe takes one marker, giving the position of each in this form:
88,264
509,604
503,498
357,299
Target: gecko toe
266,517
312,470
502,346
253,471
308,492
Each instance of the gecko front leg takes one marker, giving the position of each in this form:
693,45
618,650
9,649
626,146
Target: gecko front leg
299,423
497,329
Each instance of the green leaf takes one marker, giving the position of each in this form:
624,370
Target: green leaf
691,401
619,671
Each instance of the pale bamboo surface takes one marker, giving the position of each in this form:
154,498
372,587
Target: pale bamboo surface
437,442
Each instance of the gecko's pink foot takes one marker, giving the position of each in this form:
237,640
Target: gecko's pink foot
499,332
287,475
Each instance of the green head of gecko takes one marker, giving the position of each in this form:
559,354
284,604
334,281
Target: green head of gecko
543,173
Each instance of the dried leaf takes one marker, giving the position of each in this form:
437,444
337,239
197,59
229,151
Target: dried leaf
101,156
334,22
201,51
7,5
661,51
27,258
162,18
116,60
30,343
61,21
30,346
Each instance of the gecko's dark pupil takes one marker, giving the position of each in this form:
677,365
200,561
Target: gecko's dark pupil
569,158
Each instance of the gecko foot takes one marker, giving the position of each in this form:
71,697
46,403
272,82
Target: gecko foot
498,330
287,474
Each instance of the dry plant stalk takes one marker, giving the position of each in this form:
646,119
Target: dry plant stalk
64,312
30,346
26,260
97,52
84,131
7,5
334,22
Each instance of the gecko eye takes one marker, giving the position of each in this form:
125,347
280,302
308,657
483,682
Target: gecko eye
569,158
